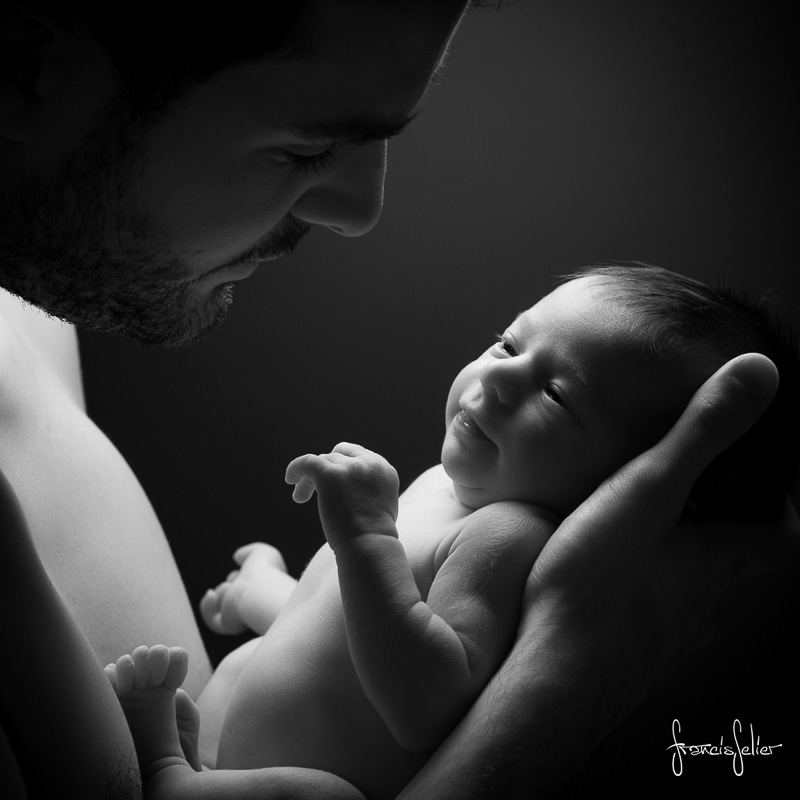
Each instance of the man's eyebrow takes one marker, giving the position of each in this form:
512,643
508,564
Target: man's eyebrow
355,131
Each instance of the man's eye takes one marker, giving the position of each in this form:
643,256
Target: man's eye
312,164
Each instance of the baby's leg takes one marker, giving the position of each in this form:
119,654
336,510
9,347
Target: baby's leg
252,596
163,719
147,685
216,695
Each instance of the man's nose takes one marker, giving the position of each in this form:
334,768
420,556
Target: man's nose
506,378
348,198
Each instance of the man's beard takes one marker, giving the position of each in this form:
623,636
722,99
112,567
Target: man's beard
77,246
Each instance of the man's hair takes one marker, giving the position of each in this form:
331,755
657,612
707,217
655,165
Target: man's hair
162,48
704,327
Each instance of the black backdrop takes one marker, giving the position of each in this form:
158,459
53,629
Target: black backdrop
562,133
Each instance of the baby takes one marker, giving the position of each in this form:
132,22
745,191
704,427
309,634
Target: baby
403,616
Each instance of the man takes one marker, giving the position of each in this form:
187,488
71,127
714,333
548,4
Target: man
142,181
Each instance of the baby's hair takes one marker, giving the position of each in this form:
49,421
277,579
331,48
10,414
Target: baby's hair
704,327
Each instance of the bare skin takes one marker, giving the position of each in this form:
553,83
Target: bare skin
147,683
97,753
539,716
75,487
673,578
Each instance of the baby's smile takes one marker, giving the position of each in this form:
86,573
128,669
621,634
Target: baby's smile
466,424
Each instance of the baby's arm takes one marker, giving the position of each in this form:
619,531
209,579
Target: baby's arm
420,663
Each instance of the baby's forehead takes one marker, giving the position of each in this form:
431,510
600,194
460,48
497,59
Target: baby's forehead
586,323
585,303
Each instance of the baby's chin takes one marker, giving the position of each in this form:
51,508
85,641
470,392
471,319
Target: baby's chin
471,497
474,498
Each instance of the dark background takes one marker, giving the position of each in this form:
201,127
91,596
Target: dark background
562,133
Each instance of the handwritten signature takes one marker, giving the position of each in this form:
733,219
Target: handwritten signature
735,751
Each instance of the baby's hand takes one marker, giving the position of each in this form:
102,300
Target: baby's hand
357,490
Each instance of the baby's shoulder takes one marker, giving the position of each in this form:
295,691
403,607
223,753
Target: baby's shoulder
514,511
432,480
509,521
500,539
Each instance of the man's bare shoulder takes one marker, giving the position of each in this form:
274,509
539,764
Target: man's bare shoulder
38,356
17,380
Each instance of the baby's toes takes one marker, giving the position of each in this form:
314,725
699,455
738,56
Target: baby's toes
177,669
210,608
158,659
143,667
260,552
122,675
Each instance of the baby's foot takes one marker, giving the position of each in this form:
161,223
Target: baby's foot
187,716
250,597
146,683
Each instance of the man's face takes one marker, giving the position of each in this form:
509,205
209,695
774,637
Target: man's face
144,229
563,399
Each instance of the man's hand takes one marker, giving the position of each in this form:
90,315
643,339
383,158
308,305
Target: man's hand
358,491
622,567
620,594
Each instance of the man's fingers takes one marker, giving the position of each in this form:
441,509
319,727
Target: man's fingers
658,482
725,407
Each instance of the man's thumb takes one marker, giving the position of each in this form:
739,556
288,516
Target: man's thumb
723,408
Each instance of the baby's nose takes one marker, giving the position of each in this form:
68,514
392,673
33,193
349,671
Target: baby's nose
504,377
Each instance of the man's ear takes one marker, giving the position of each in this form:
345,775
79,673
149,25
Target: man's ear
25,39
689,510
41,58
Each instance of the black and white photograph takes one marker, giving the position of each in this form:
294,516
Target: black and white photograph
398,400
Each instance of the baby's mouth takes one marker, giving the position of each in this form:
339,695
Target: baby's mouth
467,423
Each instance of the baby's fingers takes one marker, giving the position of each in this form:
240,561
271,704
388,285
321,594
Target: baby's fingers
352,450
303,491
300,472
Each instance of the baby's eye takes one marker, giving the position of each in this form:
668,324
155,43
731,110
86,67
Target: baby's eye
506,345
552,392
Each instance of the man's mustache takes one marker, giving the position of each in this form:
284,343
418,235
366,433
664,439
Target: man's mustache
281,241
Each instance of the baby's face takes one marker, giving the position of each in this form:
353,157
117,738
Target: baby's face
562,400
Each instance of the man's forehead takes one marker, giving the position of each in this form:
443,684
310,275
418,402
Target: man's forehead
361,77
357,130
